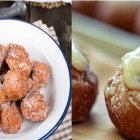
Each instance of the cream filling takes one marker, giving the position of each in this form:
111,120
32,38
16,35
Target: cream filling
78,59
131,69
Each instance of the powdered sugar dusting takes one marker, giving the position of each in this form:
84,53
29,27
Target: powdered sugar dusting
33,107
116,91
17,84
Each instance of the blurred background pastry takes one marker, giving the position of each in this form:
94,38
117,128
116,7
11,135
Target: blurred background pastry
84,86
122,14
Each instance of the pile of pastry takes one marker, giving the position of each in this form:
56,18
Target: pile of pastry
20,82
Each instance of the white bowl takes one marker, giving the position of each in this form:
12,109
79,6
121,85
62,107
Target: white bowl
41,47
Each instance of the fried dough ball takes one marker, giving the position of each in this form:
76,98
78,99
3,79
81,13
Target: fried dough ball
32,85
11,119
84,93
17,51
14,85
39,77
40,73
123,106
34,108
2,54
19,59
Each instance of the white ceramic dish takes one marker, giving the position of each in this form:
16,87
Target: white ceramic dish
41,47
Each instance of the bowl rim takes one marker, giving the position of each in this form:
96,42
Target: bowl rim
70,77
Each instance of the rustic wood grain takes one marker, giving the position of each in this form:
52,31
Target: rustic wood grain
60,18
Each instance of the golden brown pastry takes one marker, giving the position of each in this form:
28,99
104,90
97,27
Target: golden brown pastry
14,85
39,77
18,58
34,107
84,87
40,73
122,96
11,119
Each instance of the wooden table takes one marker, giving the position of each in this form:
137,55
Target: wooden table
60,18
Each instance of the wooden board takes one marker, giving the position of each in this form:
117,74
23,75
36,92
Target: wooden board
60,19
